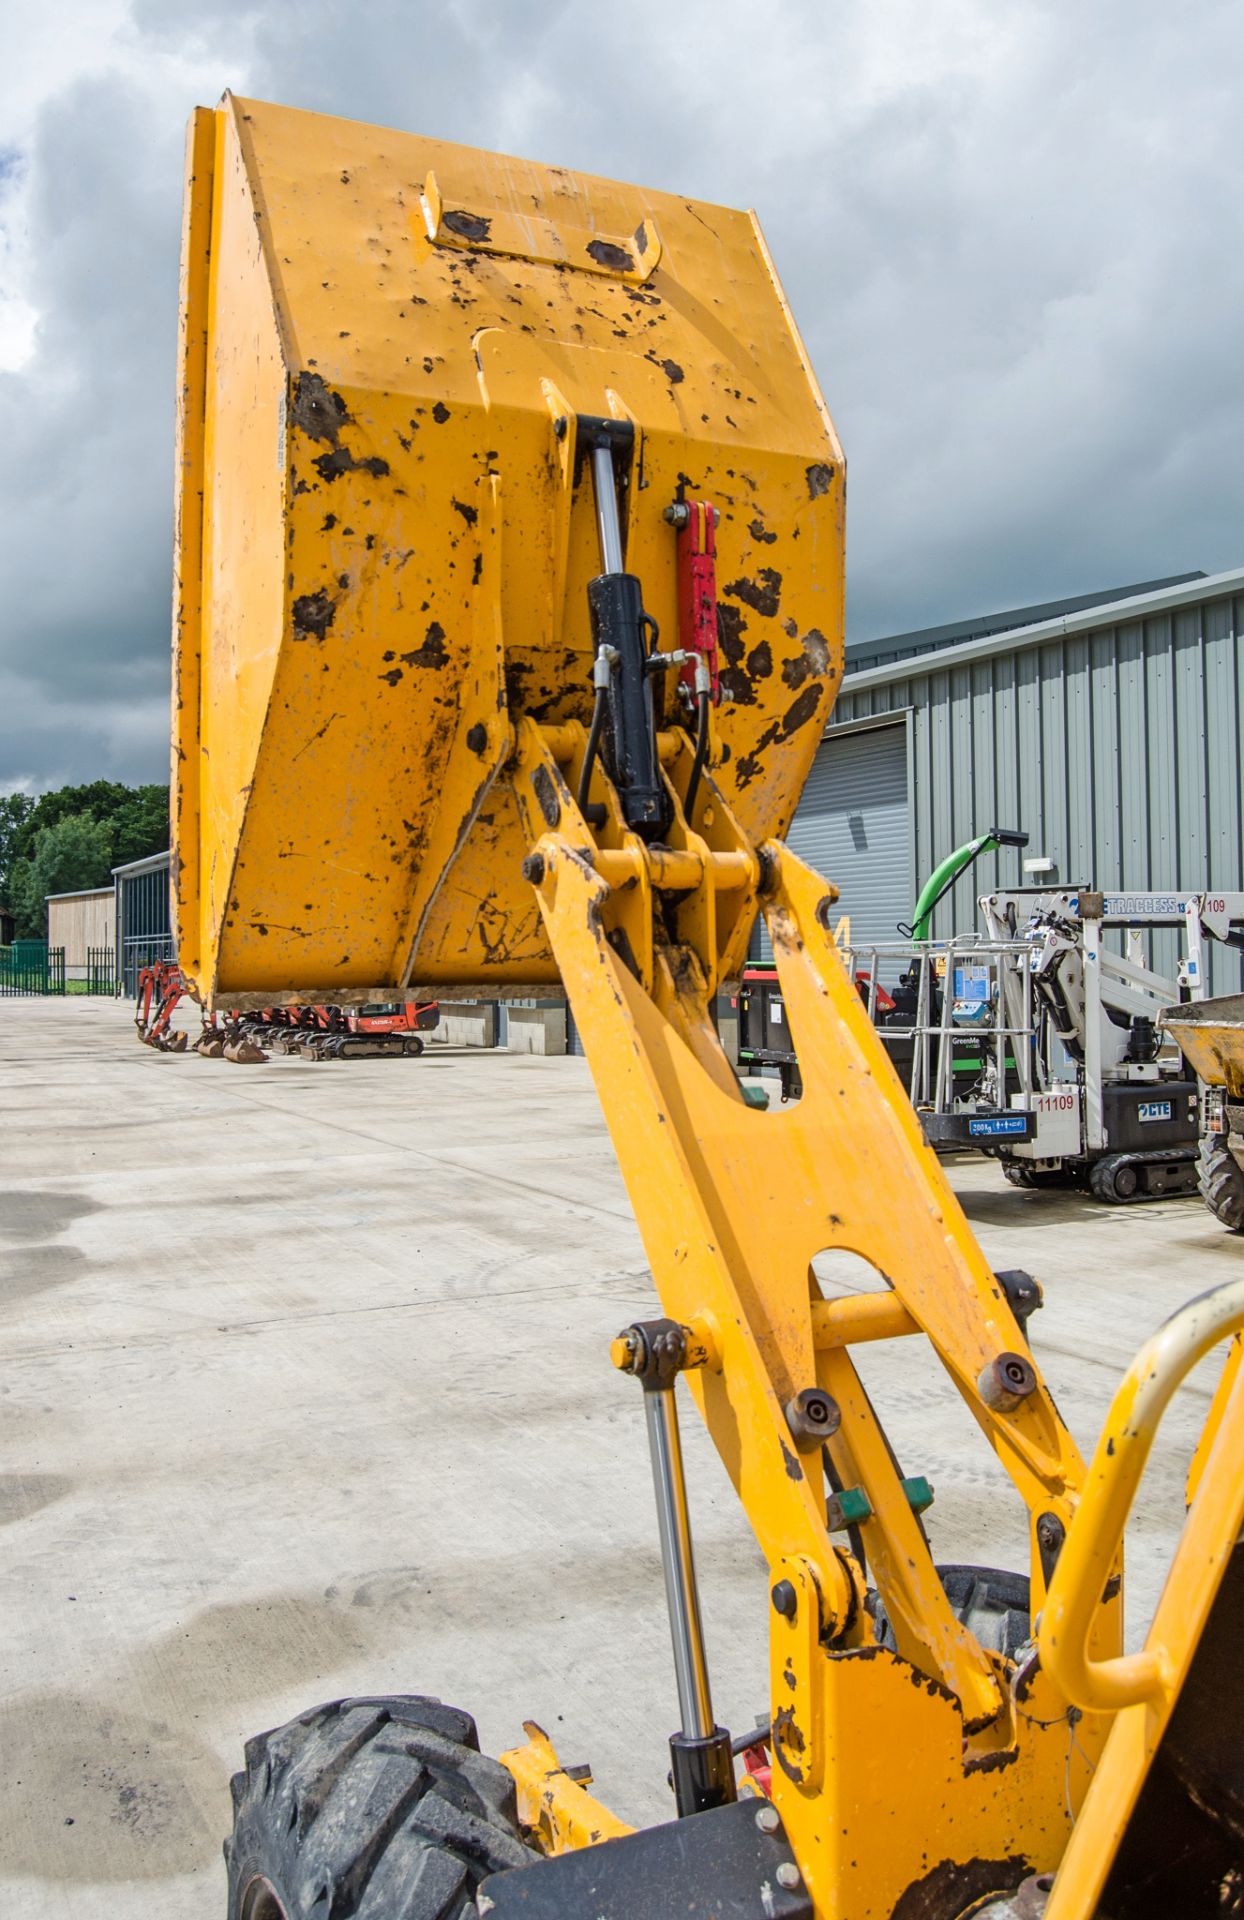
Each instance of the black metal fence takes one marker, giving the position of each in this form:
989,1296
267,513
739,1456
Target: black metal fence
32,967
101,970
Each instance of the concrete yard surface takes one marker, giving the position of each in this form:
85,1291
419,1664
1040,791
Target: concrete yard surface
306,1392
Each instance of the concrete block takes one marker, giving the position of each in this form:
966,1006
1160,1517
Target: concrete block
467,1023
536,1029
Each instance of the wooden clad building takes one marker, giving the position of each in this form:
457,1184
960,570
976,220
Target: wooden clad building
82,923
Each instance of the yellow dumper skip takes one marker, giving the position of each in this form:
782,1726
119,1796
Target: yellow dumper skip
1210,1035
383,549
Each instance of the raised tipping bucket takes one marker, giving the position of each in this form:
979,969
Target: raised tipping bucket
385,535
1210,1035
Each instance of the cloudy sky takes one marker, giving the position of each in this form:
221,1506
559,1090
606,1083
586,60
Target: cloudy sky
1010,232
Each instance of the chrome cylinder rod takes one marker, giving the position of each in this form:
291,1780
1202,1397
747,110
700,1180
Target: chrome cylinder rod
604,486
678,1562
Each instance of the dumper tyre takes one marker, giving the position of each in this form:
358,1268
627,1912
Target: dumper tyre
370,1809
1221,1181
992,1603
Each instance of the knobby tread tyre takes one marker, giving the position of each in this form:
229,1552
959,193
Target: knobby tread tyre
991,1603
1221,1182
369,1809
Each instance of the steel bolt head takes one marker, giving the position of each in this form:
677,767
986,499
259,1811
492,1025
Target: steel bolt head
623,1352
785,1599
787,1876
767,1820
812,1417
1004,1382
533,868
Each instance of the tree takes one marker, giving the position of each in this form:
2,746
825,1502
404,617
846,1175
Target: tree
135,819
15,811
140,825
72,854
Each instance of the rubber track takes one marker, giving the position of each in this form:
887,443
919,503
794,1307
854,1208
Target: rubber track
1103,1169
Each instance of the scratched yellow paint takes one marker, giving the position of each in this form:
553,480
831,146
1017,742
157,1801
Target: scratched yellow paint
381,680
389,567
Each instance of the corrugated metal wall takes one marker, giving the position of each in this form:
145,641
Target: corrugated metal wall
1119,750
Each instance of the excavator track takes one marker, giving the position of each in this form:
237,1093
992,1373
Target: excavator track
1123,1179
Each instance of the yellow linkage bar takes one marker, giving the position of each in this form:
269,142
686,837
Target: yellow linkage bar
733,1205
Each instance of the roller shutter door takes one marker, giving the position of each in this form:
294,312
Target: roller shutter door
853,824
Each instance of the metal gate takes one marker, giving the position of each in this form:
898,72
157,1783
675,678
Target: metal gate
32,967
144,932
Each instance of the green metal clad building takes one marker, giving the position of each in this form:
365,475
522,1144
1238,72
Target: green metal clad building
1110,727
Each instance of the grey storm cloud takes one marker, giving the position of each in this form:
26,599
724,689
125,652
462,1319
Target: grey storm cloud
1009,236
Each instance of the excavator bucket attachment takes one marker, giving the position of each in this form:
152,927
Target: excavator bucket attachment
395,356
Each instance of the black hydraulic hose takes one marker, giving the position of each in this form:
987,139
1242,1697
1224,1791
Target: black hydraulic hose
593,742
701,755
